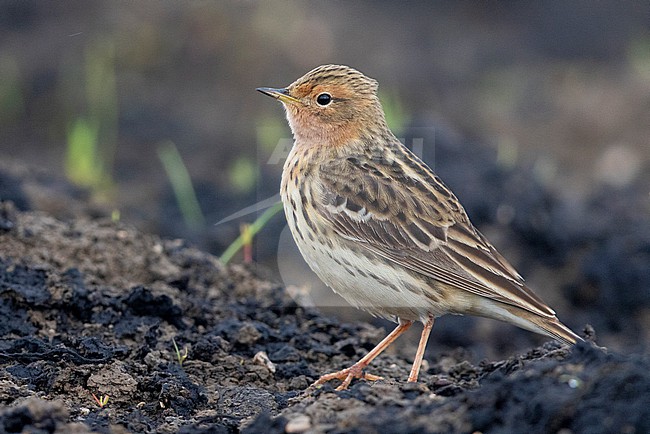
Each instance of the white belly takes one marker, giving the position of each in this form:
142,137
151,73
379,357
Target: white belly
365,282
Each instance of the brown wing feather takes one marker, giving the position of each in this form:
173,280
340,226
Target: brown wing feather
396,207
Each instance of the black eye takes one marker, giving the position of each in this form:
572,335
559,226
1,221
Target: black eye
324,99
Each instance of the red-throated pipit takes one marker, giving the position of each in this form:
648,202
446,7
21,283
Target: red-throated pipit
380,228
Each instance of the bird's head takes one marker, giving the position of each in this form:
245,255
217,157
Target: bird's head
331,105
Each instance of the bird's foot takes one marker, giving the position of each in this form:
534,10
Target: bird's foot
346,376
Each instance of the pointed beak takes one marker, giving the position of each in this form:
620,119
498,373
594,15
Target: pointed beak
281,94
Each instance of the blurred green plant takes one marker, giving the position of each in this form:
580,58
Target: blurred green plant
242,175
181,183
11,96
639,56
273,139
83,165
92,135
249,232
396,115
269,130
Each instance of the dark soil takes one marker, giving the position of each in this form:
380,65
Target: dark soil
90,306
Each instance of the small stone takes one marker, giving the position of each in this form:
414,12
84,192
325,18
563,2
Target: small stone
261,358
298,383
298,424
248,334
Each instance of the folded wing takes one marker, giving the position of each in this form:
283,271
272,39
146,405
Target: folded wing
398,209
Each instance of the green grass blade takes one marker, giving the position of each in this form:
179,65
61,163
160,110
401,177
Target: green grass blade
257,225
181,184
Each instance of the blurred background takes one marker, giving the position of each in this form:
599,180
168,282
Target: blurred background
537,114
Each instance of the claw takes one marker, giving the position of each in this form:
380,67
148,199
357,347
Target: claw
346,376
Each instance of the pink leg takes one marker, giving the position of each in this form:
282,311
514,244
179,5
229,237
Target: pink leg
419,355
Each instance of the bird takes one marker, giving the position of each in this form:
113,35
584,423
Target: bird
381,229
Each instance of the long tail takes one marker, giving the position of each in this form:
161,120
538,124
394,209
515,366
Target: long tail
547,325
554,328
